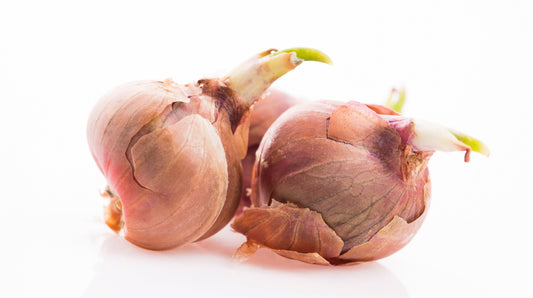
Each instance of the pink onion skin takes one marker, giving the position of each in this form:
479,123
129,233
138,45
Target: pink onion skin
344,163
142,167
265,111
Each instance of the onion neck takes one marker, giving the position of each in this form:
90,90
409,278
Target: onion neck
435,137
254,76
425,136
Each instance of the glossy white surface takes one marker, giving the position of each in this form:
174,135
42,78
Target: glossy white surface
466,64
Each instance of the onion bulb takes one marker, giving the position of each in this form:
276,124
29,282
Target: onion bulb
337,183
171,153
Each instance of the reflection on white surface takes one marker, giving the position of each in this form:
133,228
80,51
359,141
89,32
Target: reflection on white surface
206,269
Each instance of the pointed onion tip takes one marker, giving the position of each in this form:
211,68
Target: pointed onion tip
307,54
475,144
396,100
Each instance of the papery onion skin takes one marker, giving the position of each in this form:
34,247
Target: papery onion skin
265,111
142,158
171,153
347,163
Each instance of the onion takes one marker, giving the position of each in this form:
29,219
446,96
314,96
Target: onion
338,183
171,153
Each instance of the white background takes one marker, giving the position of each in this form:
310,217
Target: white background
466,64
